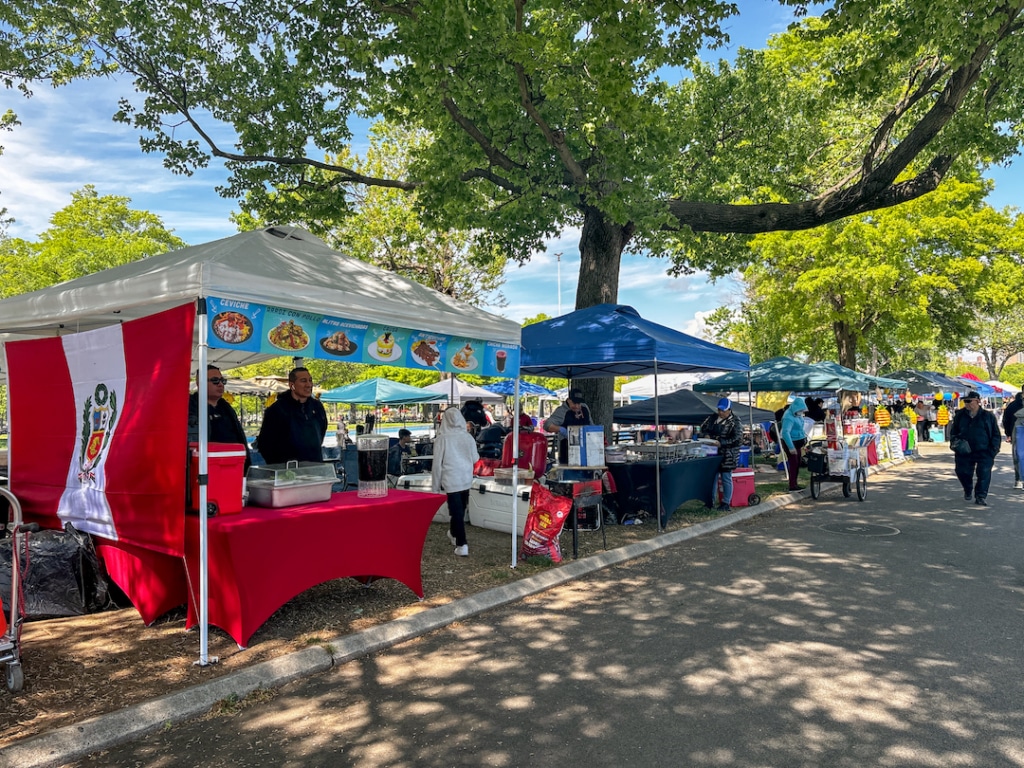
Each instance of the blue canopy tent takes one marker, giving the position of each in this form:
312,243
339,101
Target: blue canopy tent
983,389
507,387
613,340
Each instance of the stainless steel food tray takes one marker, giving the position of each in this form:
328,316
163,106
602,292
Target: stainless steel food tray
267,494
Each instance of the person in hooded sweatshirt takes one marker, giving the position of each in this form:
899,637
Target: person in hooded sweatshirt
454,456
793,439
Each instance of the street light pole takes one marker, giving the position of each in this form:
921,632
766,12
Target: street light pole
558,257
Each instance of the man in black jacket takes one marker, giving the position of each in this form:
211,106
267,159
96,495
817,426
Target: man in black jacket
724,427
224,426
295,424
981,431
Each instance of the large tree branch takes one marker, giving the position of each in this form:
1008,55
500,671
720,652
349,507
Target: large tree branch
556,139
877,187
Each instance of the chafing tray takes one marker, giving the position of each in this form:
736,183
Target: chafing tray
285,485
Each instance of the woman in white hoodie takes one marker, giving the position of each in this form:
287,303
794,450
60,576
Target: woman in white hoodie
455,454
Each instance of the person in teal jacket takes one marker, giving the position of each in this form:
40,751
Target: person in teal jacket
793,438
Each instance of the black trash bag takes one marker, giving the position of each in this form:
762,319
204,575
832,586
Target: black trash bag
60,576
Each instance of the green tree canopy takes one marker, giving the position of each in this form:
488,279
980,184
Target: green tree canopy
549,115
93,233
924,277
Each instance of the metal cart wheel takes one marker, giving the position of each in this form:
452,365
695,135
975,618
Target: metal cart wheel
862,484
847,490
753,500
815,486
15,677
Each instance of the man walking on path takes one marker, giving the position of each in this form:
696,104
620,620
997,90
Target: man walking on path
980,430
1013,417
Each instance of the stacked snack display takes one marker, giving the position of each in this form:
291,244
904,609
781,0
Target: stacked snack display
372,451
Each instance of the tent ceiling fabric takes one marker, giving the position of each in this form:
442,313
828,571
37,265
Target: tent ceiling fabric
613,340
280,266
782,374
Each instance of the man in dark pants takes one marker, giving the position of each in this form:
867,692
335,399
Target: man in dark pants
981,431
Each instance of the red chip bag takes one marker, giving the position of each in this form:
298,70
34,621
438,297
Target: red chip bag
485,467
544,522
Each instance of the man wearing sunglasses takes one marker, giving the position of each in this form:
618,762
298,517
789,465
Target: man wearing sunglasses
224,426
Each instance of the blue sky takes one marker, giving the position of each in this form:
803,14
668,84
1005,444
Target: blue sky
67,140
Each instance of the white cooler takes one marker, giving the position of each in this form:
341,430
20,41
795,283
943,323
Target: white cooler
421,483
490,505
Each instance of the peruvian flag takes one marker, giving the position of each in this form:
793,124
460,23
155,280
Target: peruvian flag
98,429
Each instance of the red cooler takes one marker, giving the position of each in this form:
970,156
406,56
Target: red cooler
225,466
533,452
742,487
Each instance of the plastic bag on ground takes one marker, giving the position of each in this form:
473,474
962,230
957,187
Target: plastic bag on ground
544,522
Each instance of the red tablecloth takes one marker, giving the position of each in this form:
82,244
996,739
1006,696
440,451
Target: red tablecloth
153,581
262,558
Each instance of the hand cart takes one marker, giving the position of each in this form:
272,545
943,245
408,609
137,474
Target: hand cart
843,465
10,625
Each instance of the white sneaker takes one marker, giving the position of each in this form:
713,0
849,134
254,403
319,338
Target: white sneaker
451,538
1019,484
462,551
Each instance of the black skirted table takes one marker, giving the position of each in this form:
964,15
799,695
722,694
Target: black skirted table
680,482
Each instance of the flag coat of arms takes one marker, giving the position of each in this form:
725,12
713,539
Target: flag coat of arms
98,429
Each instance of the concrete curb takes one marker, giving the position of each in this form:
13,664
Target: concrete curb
73,742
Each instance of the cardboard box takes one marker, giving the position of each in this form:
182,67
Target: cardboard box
225,469
586,446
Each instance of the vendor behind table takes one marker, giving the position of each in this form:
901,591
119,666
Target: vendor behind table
295,424
574,412
224,426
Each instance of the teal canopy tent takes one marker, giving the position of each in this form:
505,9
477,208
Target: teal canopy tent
780,374
380,392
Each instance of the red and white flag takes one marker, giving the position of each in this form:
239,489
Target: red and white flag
98,429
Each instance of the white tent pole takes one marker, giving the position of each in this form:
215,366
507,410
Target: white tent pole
204,427
657,451
515,474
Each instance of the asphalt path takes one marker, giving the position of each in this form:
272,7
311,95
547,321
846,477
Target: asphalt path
828,633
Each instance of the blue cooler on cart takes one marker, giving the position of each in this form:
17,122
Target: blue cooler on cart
744,457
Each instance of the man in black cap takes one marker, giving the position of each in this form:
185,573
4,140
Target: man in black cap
572,413
979,429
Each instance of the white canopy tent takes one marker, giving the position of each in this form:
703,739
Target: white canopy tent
1004,385
279,266
458,392
667,382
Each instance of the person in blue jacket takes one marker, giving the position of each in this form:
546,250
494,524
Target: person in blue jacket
794,438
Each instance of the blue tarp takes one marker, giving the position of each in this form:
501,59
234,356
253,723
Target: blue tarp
613,340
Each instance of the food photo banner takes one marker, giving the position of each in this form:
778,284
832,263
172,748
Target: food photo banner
271,330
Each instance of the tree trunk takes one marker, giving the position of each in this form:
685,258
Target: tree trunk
601,244
846,344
